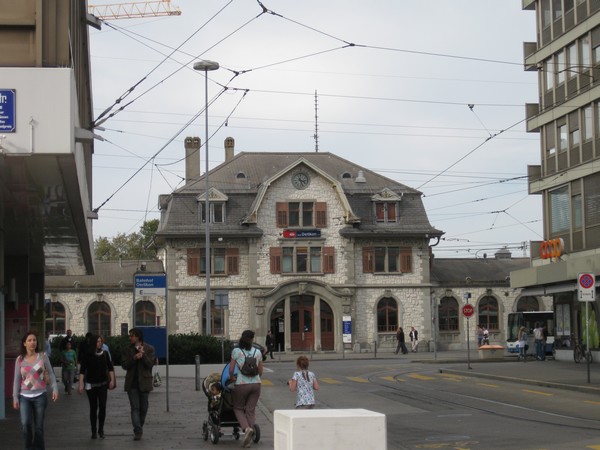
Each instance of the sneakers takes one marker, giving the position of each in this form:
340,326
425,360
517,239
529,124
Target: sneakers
248,437
137,436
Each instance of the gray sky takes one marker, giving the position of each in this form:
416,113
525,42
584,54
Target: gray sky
428,93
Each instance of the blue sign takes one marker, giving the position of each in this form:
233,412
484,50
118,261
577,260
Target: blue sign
347,329
148,284
8,110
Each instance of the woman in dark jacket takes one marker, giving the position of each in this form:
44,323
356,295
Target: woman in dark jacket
96,375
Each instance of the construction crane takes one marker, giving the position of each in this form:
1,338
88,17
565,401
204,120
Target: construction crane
134,10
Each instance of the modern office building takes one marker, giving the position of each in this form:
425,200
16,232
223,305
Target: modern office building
46,147
566,56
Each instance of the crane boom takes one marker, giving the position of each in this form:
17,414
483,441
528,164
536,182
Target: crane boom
134,10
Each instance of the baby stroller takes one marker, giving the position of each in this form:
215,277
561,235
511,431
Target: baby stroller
220,408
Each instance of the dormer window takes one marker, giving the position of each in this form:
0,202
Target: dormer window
241,176
217,212
385,211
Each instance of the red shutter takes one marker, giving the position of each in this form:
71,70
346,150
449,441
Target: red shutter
193,261
368,260
391,212
380,212
281,209
406,260
233,261
321,211
328,259
275,256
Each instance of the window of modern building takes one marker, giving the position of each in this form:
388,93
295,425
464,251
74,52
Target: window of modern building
302,259
573,62
387,315
488,313
99,318
301,214
387,260
448,314
546,13
223,261
55,318
560,217
549,70
576,203
385,211
557,9
561,67
145,314
591,187
562,137
588,124
585,51
550,141
569,5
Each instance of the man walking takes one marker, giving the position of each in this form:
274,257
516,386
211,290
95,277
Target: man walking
138,360
414,339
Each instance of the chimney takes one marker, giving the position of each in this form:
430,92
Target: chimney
360,178
229,148
192,158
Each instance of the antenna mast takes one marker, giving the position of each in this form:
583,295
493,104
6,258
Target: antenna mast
316,135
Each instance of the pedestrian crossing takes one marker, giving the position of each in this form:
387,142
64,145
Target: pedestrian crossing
390,378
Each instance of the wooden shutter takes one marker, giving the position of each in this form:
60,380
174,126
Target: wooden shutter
391,212
321,214
275,254
233,261
281,209
406,260
368,260
328,259
193,261
380,212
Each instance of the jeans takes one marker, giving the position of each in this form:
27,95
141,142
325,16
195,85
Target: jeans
539,349
97,397
139,407
32,411
67,376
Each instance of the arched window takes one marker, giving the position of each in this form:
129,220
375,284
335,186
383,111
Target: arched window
448,314
528,304
145,314
387,315
488,313
217,322
55,318
99,319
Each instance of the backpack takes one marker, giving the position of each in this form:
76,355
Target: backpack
250,366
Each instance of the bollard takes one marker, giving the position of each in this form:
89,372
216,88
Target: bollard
375,347
198,380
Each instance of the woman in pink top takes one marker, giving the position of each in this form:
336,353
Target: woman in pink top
29,390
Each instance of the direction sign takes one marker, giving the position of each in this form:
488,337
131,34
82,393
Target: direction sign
150,285
468,310
8,114
586,287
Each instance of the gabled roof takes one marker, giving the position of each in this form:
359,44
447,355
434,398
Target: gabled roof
475,271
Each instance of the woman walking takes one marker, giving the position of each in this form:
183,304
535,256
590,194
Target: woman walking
304,383
33,373
247,387
96,375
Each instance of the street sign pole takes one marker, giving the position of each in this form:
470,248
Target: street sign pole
468,312
586,292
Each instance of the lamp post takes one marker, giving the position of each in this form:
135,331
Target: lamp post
206,66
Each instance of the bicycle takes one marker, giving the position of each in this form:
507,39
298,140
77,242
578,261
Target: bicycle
580,352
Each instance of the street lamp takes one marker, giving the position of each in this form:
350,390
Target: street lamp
206,66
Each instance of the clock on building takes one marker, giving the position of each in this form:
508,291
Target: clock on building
300,180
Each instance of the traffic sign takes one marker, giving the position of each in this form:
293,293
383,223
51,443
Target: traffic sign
468,310
586,287
150,284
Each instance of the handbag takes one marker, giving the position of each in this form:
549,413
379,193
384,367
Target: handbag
156,380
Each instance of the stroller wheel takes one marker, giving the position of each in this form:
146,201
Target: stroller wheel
236,433
205,431
256,433
214,434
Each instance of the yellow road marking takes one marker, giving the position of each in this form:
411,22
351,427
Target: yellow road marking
391,379
592,403
420,377
358,379
329,381
538,392
594,447
266,382
488,385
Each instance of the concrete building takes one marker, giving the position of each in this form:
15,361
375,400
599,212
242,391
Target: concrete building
567,119
46,147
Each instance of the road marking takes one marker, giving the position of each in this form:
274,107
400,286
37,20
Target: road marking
448,377
358,379
592,403
329,381
488,385
594,447
547,394
266,382
391,379
420,377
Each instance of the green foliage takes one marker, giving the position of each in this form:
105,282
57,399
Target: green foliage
128,246
593,330
183,349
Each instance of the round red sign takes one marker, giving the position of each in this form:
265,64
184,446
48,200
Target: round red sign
468,310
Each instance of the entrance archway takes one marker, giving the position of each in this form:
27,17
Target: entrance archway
302,310
327,335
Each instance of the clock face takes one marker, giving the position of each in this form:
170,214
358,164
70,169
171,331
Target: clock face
300,180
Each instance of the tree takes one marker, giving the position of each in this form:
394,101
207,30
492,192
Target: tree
128,246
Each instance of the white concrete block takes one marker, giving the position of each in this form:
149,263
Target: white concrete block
331,429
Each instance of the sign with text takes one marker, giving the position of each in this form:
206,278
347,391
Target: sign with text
347,329
301,233
468,310
586,287
150,284
8,113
